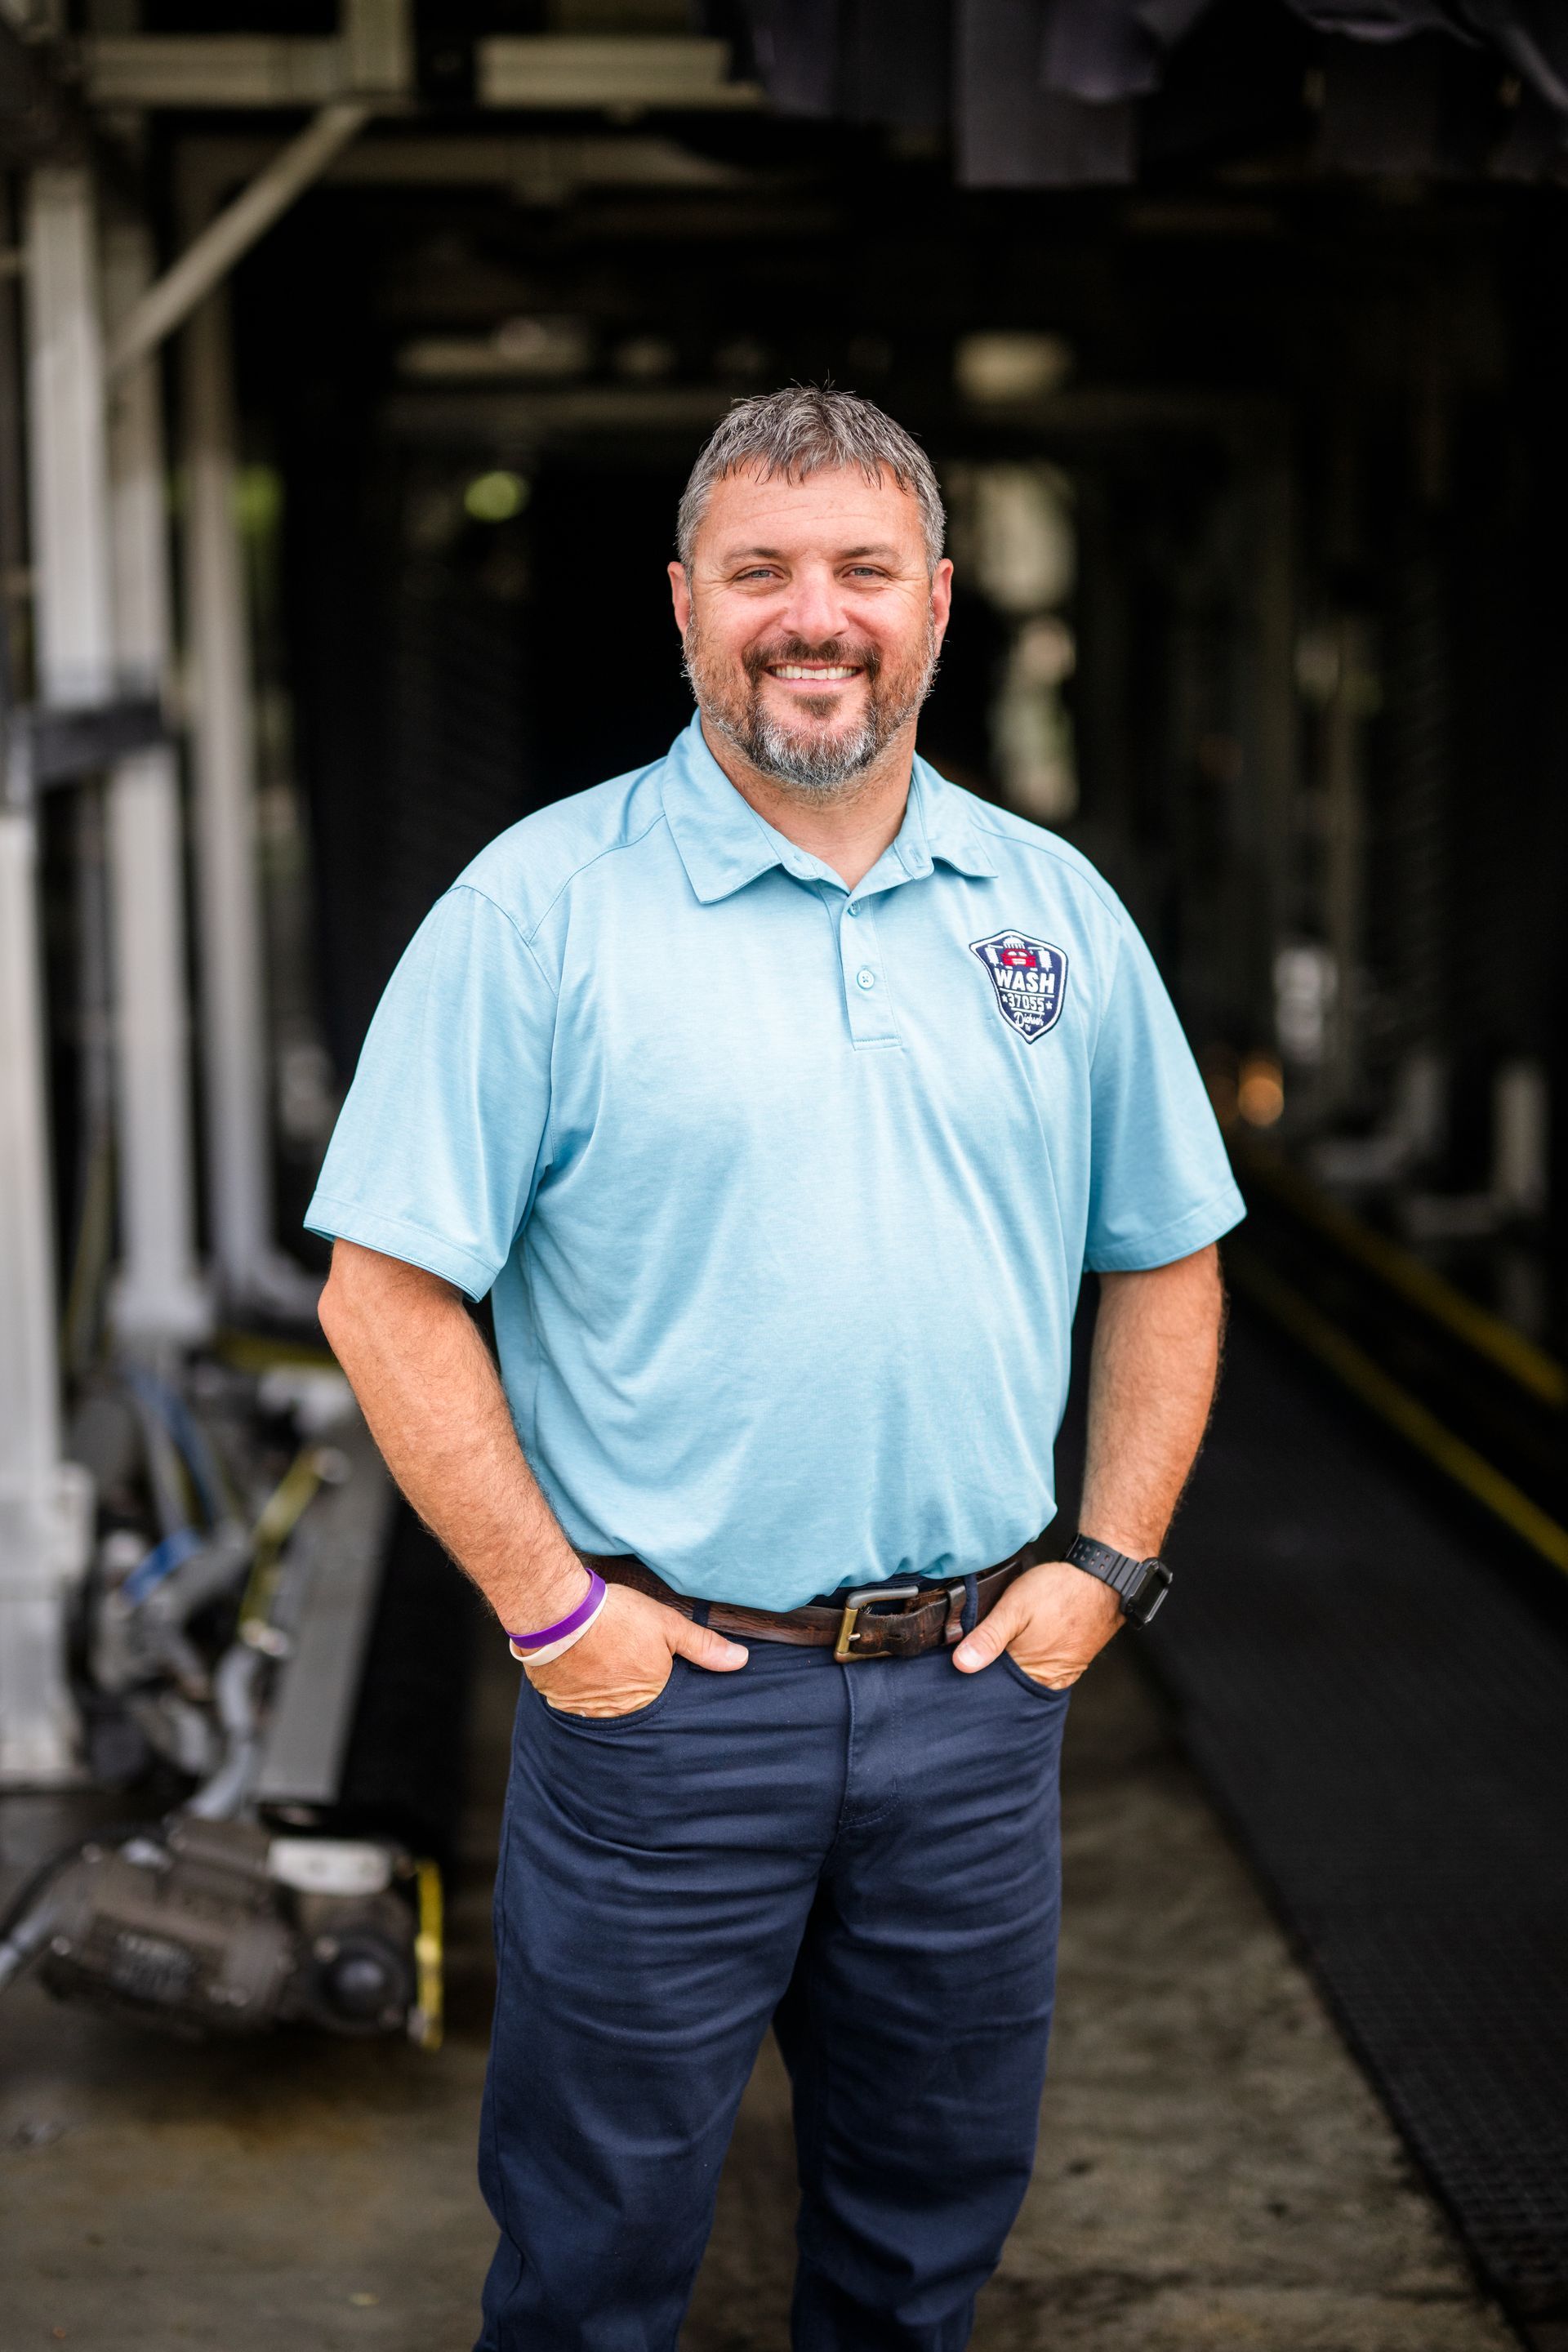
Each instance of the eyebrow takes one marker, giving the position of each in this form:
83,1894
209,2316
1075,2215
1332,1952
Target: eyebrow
778,555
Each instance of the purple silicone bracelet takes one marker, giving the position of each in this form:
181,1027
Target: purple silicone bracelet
564,1626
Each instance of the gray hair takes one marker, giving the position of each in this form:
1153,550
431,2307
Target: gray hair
809,428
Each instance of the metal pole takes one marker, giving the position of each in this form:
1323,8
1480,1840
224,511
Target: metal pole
159,1299
46,1514
45,1503
224,751
251,1270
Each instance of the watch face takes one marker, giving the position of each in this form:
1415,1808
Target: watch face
1142,1606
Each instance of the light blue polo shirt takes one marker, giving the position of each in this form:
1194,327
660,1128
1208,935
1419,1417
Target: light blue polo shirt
782,1193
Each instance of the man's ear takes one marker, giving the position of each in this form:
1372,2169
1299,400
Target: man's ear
941,597
680,595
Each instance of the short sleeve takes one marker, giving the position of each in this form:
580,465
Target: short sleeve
1160,1179
435,1153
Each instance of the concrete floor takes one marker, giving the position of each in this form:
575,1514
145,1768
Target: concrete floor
1213,2170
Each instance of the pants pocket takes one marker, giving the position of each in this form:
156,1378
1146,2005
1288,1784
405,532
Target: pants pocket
598,1724
1035,1689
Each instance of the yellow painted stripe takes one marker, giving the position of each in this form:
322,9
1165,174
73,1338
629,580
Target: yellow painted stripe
249,1352
429,1959
1395,1404
280,1514
1403,1271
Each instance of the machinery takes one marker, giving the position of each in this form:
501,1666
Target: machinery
217,1654
204,1926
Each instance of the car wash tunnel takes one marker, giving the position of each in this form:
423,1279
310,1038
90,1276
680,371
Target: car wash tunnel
350,369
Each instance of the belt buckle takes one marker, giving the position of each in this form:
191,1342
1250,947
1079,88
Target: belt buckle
862,1597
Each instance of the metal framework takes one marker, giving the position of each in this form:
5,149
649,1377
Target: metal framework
96,312
210,257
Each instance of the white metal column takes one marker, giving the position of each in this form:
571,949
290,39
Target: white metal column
251,1270
67,454
45,1502
159,1297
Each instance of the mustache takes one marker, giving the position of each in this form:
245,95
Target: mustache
836,651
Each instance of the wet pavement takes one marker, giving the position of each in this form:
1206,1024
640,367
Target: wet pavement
1213,2170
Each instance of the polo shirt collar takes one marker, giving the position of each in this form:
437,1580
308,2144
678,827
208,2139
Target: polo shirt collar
724,843
945,819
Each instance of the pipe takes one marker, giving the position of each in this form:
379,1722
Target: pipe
234,1696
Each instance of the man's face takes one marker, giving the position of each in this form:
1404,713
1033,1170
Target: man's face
810,622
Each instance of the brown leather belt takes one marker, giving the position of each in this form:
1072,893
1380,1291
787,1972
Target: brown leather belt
897,1619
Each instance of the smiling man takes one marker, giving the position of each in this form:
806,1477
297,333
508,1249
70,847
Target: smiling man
779,1096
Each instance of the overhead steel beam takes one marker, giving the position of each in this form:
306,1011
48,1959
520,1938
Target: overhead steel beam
557,69
211,254
545,69
211,69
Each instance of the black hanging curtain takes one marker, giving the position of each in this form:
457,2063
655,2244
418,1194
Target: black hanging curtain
1061,93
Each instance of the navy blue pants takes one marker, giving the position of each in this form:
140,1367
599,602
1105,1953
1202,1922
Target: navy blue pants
865,1856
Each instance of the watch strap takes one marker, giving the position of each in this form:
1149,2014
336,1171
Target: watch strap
1140,1585
1117,1568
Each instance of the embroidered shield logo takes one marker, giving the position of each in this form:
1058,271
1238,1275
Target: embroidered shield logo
1030,980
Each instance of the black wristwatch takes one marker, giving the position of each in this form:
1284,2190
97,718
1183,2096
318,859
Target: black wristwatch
1140,1584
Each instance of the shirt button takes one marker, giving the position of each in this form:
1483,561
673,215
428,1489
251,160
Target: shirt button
853,908
865,977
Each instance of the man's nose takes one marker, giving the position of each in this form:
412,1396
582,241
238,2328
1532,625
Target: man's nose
815,608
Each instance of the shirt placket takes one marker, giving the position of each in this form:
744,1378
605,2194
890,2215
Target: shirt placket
866,1003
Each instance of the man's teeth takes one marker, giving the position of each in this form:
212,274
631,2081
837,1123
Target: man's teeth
813,670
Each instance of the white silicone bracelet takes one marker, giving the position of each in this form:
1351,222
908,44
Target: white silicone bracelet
557,1649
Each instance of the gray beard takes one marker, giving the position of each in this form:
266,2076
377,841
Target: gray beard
815,768
814,765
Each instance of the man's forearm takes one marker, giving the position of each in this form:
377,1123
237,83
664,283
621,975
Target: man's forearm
1152,1381
437,1409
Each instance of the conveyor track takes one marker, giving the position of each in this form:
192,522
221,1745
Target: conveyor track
1380,1707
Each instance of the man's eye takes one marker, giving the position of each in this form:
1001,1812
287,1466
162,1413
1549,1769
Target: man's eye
867,572
759,571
